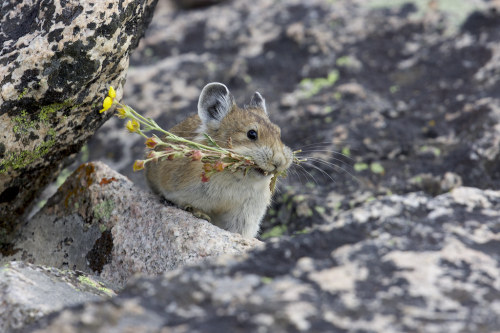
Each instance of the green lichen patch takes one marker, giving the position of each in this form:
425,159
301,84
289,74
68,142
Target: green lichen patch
276,231
304,231
25,122
85,280
311,87
374,167
432,150
360,166
346,151
320,209
344,61
377,168
21,95
266,279
21,159
22,125
103,210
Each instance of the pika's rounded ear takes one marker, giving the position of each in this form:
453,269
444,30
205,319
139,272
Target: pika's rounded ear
258,102
214,103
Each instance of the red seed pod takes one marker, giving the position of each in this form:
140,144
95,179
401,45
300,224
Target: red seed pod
204,178
151,142
207,167
219,166
196,155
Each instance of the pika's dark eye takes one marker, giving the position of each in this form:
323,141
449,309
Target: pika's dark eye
252,135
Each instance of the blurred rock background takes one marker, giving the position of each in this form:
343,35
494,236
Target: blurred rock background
382,96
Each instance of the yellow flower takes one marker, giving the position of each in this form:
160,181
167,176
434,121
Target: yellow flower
138,165
133,125
112,92
121,113
108,101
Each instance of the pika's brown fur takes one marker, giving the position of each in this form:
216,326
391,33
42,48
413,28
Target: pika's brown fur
234,201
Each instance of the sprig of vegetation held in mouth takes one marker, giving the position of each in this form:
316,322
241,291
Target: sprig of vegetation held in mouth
214,157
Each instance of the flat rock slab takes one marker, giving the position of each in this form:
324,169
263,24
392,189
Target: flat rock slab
99,222
409,263
28,292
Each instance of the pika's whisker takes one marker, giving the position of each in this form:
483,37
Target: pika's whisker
334,166
322,171
307,173
333,152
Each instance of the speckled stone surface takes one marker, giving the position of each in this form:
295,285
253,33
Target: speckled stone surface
56,61
408,263
100,222
28,292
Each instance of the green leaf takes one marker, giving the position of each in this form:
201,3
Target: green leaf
211,141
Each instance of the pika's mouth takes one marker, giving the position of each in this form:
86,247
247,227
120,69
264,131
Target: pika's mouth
262,171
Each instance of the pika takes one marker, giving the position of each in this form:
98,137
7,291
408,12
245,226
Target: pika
233,200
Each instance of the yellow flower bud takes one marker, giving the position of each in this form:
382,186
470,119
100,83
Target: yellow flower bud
108,101
133,125
151,142
138,165
112,92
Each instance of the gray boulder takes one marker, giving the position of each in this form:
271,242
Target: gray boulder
408,263
57,60
100,223
28,292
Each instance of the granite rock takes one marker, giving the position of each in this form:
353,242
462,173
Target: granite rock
409,263
56,62
28,292
100,223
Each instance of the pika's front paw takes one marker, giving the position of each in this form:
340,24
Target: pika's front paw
197,213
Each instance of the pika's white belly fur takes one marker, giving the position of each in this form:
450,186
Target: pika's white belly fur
234,202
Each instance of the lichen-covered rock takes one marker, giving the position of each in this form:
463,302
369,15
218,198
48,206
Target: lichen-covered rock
28,292
99,222
408,263
56,62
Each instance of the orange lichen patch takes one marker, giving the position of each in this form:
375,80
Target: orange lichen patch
106,181
84,177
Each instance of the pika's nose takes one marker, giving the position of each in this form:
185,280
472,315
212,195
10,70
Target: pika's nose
280,162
